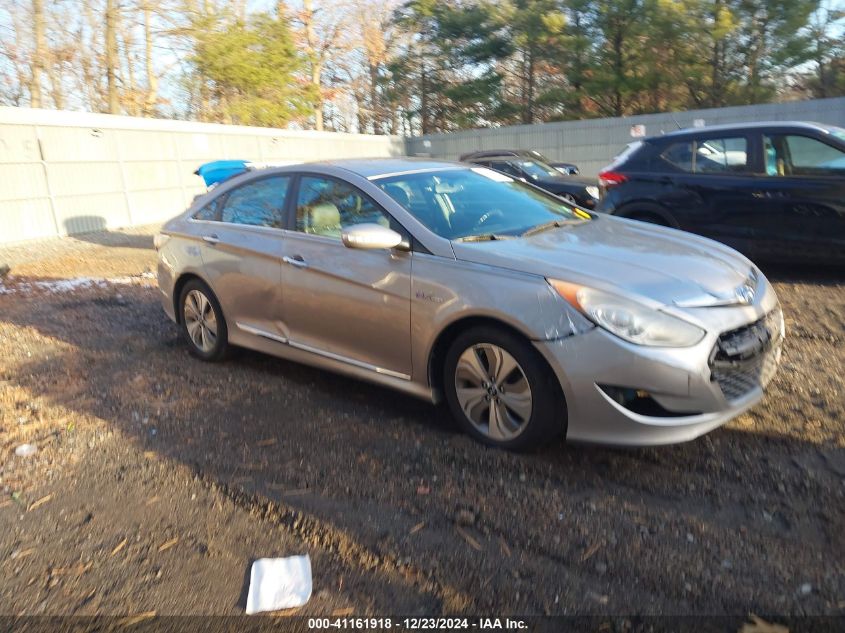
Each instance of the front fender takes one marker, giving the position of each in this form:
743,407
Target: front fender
447,291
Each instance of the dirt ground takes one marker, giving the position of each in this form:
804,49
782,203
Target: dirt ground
158,478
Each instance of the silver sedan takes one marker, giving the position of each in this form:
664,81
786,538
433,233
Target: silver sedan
528,316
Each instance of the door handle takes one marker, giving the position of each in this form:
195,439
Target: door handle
296,260
211,239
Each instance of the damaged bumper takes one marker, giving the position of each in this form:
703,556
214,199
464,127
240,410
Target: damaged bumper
629,395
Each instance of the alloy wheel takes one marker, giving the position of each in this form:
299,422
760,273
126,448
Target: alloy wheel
200,321
493,391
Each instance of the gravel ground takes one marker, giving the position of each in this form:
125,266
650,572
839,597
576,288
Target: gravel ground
158,478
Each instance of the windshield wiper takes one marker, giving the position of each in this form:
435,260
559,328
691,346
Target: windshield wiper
484,237
554,224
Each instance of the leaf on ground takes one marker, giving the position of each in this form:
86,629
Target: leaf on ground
417,527
590,551
759,625
505,549
472,542
135,619
40,502
168,544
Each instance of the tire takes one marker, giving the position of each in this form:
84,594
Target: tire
569,198
650,218
469,390
650,213
208,341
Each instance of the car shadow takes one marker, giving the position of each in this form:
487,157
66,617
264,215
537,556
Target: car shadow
804,273
516,533
93,229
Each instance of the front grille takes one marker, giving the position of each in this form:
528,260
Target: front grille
747,357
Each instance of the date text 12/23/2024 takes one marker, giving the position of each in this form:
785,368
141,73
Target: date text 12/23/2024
418,624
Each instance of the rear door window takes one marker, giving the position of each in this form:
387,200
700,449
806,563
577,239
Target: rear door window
709,155
211,211
257,203
680,155
720,155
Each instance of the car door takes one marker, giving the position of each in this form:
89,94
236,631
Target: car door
242,255
712,191
805,181
352,305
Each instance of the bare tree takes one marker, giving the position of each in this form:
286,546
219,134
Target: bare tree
112,55
323,34
151,96
63,51
38,53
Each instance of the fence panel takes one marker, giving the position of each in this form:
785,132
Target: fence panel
591,144
69,172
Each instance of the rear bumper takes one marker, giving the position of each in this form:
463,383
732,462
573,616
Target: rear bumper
165,289
677,380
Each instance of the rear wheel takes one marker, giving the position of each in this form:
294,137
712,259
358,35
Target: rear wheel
569,198
651,218
501,391
646,212
203,325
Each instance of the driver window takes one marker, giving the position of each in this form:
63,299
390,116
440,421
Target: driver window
325,207
794,155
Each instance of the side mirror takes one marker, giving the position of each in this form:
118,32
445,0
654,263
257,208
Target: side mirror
370,236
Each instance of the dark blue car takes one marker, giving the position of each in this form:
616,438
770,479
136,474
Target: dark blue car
775,191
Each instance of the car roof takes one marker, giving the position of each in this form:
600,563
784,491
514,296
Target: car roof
500,153
729,127
372,168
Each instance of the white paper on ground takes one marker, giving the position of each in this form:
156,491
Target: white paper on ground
279,583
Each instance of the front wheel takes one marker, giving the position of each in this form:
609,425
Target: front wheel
501,391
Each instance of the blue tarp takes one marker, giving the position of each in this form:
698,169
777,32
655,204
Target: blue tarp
219,170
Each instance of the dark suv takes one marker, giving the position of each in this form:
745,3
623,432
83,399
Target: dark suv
775,191
532,167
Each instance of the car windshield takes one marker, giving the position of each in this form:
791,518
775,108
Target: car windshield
462,204
538,169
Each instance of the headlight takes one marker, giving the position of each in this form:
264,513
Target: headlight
628,319
593,191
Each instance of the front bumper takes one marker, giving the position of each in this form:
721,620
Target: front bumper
690,394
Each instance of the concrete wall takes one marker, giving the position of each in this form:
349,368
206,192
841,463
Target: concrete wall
69,172
591,144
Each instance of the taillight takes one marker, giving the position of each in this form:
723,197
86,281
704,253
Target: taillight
608,179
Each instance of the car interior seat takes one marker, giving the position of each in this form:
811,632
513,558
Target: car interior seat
323,218
399,194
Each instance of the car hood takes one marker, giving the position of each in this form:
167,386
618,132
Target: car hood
624,256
